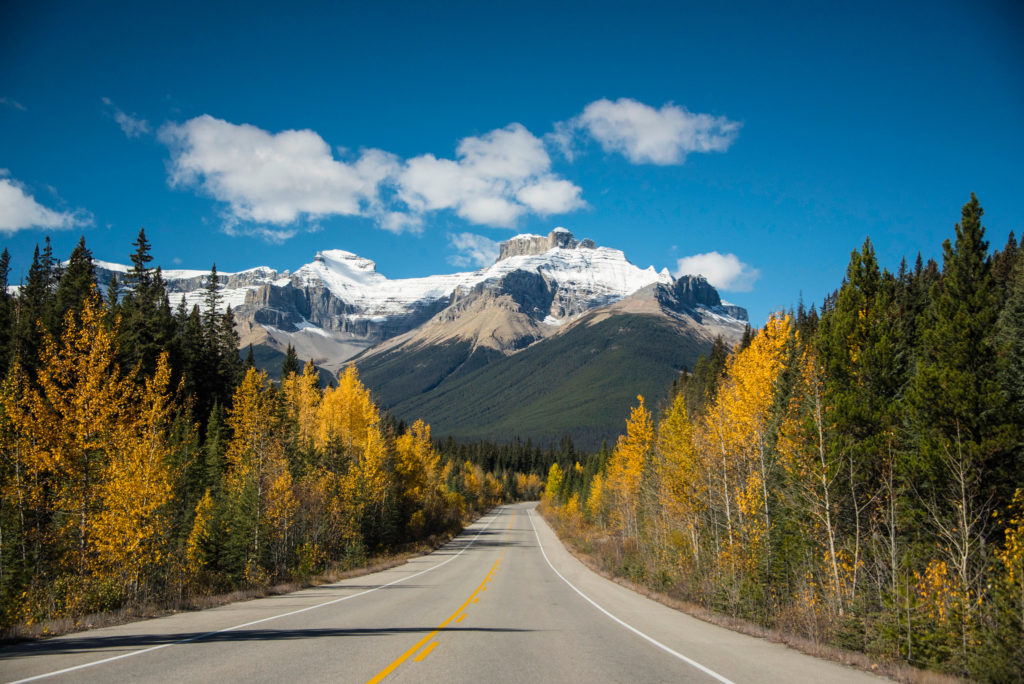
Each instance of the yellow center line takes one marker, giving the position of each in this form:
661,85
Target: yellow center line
473,598
461,618
512,520
425,652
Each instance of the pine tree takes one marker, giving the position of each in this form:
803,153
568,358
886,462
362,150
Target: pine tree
6,314
30,311
211,302
1010,341
957,403
147,325
138,277
290,364
77,282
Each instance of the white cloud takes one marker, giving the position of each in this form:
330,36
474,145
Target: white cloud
287,178
19,210
550,195
132,125
724,271
276,178
496,178
645,135
474,250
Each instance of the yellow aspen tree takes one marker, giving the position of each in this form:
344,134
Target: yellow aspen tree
595,506
302,403
416,464
682,485
417,467
737,424
554,483
73,421
196,557
346,415
375,476
811,469
473,485
130,530
626,468
1011,553
253,452
281,509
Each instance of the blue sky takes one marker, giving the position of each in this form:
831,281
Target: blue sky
772,137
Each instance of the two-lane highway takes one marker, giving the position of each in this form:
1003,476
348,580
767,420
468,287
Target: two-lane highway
504,601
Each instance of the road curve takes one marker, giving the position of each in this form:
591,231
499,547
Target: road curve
503,602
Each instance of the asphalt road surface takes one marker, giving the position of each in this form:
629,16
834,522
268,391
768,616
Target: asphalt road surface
503,602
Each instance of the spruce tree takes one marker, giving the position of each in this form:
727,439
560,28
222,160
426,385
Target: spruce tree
1010,341
958,407
211,302
290,364
6,317
30,309
77,282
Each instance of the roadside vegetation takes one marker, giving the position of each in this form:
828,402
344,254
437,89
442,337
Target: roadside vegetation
851,476
143,463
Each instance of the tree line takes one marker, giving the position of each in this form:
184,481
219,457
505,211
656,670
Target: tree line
852,475
141,460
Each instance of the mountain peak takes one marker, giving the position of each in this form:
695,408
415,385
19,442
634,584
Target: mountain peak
528,244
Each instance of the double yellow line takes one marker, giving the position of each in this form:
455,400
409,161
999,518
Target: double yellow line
458,616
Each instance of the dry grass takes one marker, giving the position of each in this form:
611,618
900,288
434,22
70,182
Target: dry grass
896,670
58,626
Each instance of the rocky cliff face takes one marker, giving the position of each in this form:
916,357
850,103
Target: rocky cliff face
531,245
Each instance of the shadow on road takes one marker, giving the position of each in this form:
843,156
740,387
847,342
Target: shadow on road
484,539
128,641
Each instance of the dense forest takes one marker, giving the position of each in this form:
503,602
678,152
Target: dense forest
852,475
143,461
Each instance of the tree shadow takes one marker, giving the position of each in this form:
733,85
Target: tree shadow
84,644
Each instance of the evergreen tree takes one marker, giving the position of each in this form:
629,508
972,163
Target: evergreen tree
211,302
1010,340
290,364
138,278
1003,263
147,326
113,294
250,358
77,282
957,404
30,311
6,314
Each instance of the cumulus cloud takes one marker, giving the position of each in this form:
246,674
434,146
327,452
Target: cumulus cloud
645,135
473,250
275,178
286,178
494,179
724,271
132,125
19,210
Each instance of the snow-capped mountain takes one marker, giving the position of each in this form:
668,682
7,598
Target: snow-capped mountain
338,305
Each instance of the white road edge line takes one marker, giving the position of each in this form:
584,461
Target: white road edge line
677,654
254,622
